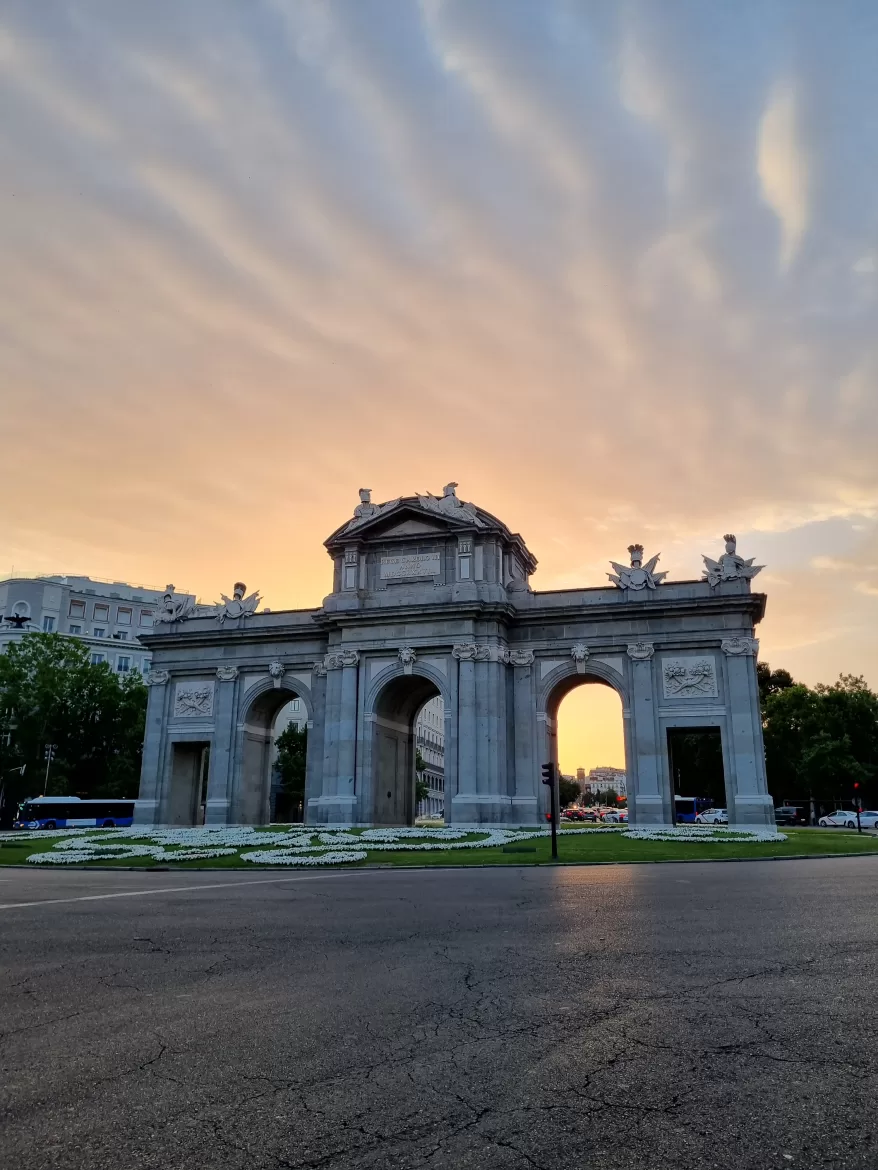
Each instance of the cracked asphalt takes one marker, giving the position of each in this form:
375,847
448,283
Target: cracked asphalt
694,1015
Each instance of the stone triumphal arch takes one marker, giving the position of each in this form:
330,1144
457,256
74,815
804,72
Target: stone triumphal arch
432,596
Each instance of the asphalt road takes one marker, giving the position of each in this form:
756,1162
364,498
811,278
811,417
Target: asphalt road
690,1015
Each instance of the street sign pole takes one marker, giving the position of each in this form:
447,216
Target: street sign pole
50,751
555,803
549,773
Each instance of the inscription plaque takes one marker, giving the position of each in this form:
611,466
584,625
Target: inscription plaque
418,565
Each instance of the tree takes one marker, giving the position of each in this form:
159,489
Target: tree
819,742
52,696
422,787
292,753
771,681
568,791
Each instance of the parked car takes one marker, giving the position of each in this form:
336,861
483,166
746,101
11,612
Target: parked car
615,816
574,814
846,818
788,814
842,818
712,816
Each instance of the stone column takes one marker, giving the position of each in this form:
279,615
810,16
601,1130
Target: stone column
647,795
148,809
467,780
525,802
330,736
337,801
316,732
220,779
347,726
750,804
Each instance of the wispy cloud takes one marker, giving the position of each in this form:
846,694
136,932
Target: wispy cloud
609,266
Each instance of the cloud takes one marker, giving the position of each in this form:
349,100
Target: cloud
603,264
783,170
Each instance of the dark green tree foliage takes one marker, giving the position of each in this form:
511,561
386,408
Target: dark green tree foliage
771,681
819,741
292,752
568,792
422,788
51,694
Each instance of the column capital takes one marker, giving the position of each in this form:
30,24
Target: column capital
337,659
740,647
641,651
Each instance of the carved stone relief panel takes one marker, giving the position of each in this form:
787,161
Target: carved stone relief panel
193,700
689,678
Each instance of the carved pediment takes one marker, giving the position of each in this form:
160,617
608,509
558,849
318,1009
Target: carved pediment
413,527
425,517
404,518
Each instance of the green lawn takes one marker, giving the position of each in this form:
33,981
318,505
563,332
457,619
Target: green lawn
593,847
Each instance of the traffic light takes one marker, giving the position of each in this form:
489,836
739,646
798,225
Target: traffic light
548,773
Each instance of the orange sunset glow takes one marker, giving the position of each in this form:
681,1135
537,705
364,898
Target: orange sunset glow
611,267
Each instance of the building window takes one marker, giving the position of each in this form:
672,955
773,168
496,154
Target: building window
97,658
77,609
48,625
99,633
295,704
123,664
121,636
144,666
123,616
21,609
464,570
146,617
102,613
74,629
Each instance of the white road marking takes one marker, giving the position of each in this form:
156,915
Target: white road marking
159,890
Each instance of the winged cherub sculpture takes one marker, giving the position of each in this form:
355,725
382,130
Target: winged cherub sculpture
237,606
637,575
730,567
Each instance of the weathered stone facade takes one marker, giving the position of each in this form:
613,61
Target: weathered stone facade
432,596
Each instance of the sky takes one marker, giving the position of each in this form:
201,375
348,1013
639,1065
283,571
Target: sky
613,267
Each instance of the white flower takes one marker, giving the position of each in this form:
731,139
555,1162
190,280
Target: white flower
301,845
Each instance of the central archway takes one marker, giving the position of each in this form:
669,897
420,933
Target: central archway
393,747
590,732
556,687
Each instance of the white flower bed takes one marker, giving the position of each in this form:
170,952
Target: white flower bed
282,857
301,846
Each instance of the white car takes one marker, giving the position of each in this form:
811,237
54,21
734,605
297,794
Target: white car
712,816
846,818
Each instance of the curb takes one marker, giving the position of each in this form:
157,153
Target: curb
278,869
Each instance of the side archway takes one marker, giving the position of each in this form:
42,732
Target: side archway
392,707
261,706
